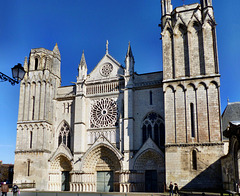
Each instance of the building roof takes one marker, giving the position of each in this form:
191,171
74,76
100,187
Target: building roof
231,114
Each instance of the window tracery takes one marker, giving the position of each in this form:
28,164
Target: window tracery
103,113
64,135
106,69
153,127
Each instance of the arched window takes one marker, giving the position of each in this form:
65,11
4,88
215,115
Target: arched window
192,120
156,134
36,63
60,138
64,136
153,127
194,159
184,36
30,139
151,102
33,106
149,131
28,167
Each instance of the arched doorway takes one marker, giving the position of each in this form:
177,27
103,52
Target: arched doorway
150,166
104,166
59,174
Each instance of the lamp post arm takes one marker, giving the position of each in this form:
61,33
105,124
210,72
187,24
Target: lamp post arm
4,78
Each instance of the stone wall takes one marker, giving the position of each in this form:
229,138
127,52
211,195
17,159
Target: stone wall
207,174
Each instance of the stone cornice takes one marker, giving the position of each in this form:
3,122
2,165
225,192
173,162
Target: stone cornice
32,151
33,121
72,97
194,144
101,94
148,83
192,78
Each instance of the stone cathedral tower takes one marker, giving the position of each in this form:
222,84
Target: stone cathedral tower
191,96
36,106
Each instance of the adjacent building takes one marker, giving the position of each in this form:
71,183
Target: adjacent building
6,173
231,132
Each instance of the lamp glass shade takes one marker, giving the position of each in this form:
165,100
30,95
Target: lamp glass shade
18,72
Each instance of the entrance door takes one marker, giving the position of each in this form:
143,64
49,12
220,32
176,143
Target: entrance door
65,181
151,181
105,181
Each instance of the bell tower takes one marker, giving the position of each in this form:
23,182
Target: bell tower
35,117
191,84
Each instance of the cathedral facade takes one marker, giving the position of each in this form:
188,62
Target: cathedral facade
116,130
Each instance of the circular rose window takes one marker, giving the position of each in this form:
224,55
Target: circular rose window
103,113
106,69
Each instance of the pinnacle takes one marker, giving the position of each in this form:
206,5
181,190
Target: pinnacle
129,51
56,49
107,43
26,64
83,61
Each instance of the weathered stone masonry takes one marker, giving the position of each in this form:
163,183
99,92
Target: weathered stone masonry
116,130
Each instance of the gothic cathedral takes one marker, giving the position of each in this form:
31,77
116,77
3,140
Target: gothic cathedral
116,130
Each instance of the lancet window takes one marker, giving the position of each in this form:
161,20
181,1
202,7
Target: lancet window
192,120
36,63
153,127
28,167
31,133
151,96
64,136
194,160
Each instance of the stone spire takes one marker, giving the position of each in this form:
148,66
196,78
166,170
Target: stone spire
82,61
129,61
82,68
129,52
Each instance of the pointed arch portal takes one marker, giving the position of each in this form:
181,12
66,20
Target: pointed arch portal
150,164
102,165
59,176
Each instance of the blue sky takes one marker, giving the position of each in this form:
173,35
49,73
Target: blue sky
78,25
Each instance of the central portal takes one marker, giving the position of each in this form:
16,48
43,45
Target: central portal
105,181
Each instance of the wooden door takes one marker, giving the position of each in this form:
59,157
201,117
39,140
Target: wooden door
151,184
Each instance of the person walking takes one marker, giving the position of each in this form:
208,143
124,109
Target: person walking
171,189
176,189
4,189
15,190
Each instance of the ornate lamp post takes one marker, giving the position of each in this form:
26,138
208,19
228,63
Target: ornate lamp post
17,73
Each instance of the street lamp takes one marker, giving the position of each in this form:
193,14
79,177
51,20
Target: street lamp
17,73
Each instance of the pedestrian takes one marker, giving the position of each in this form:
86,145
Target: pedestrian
4,189
15,190
171,189
176,188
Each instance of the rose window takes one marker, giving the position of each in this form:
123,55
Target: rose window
106,69
103,113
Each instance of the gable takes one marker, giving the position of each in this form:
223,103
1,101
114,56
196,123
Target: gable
107,68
